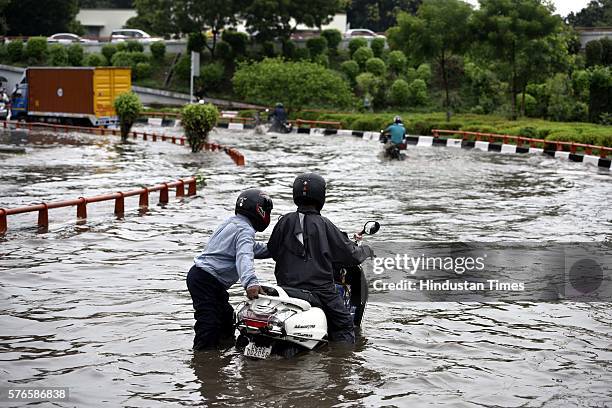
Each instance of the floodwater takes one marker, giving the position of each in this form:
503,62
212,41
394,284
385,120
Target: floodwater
103,308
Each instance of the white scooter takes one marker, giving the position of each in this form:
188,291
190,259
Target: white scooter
286,321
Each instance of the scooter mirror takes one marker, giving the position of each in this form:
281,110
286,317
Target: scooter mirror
371,227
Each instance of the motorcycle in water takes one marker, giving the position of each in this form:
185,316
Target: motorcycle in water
286,321
278,126
391,150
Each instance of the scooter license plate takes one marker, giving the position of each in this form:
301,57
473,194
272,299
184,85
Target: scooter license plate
252,350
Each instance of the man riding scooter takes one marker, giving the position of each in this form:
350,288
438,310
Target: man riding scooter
395,142
278,117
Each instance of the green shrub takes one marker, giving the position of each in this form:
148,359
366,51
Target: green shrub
36,50
322,59
158,50
238,41
378,45
14,50
301,54
606,51
362,55
95,60
333,37
296,84
289,49
122,46
350,69
75,55
424,72
58,55
122,59
357,43
369,123
211,75
108,51
128,108
182,68
593,53
197,120
418,92
399,93
196,42
376,66
397,62
134,46
142,70
224,51
368,83
531,106
600,93
138,56
316,45
580,112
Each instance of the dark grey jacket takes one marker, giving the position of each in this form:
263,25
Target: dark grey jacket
311,265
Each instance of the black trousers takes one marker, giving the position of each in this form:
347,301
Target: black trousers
213,314
340,325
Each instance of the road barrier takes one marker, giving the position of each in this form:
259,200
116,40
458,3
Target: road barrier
572,147
234,154
81,202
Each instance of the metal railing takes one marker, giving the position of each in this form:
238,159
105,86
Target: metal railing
82,202
572,147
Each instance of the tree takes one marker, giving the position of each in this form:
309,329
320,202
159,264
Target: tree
508,30
155,17
438,31
278,19
198,120
295,84
128,108
35,17
378,15
598,13
195,15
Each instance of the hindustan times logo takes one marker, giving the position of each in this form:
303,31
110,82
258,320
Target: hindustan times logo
412,265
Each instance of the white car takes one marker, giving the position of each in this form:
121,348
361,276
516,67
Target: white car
130,34
67,38
362,32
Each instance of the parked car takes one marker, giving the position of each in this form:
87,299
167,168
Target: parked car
362,32
130,34
67,38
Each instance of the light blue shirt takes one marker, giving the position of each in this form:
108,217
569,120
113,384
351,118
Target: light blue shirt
397,132
230,253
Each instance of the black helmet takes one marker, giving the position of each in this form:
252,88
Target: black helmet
256,206
309,189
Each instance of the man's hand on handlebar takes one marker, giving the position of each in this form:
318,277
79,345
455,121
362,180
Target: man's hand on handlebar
253,292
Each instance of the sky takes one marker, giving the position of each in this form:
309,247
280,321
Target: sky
564,7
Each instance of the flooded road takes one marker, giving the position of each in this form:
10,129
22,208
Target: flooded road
103,307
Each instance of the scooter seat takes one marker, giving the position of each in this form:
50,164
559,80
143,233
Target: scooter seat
304,295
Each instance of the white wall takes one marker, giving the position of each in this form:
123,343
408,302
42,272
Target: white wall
106,19
593,34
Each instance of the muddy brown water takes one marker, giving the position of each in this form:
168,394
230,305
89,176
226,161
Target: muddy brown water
103,308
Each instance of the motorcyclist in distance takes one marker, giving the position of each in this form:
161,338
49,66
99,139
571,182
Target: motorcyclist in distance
278,117
397,133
